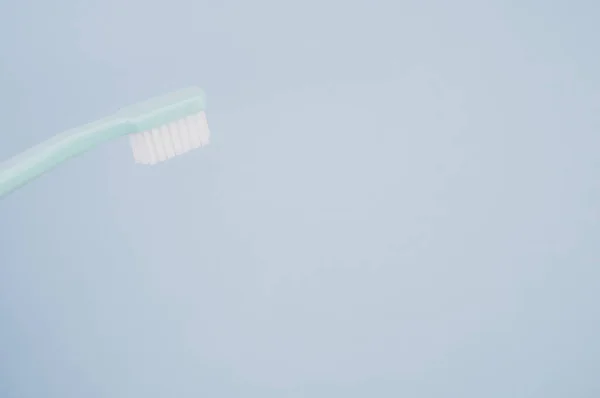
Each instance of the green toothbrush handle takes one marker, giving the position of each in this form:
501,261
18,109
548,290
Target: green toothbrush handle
32,163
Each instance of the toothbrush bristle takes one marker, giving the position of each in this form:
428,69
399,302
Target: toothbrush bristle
176,138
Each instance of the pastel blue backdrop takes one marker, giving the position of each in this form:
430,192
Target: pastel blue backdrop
401,199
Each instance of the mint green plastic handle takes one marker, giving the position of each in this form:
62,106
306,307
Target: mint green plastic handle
144,116
42,158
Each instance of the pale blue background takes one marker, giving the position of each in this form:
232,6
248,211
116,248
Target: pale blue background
401,199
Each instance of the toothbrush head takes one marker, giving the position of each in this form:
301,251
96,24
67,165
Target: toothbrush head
167,126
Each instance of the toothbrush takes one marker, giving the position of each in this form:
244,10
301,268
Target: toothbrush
158,129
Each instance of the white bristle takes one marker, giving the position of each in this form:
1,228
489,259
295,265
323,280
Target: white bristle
175,138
